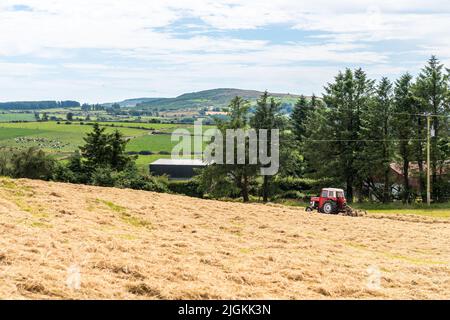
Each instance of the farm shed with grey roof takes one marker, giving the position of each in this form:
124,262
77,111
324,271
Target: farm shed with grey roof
176,168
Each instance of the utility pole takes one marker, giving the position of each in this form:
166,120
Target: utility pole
428,160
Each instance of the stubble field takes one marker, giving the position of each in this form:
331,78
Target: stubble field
62,241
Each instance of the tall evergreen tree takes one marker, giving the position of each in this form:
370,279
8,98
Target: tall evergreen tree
266,117
404,124
376,156
105,150
431,91
314,103
222,179
95,149
335,140
119,158
296,157
299,118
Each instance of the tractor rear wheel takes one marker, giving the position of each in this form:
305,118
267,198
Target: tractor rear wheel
330,207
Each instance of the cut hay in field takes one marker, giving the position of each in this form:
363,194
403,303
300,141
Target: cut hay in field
62,241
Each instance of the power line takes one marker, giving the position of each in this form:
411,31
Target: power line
421,114
346,140
365,140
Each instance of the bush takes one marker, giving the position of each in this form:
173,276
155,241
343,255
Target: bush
73,170
32,164
442,189
62,173
145,153
294,184
5,162
213,187
129,178
303,185
103,176
132,179
292,194
189,188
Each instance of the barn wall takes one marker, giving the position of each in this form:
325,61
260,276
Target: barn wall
174,171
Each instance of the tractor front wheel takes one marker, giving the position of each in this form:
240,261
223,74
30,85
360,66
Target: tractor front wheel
330,207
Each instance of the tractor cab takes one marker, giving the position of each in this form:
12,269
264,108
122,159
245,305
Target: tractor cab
330,201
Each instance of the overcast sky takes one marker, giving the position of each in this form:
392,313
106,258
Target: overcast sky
109,50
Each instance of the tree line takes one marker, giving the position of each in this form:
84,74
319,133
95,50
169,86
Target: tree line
351,137
36,105
366,125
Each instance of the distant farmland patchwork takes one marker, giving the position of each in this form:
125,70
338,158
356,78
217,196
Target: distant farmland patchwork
62,139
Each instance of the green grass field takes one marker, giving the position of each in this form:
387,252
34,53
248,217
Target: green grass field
153,143
6,117
11,133
50,136
438,210
161,127
144,161
164,127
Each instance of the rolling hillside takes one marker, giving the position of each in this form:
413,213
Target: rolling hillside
215,97
130,103
62,241
196,100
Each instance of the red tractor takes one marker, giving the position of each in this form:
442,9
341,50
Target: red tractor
331,201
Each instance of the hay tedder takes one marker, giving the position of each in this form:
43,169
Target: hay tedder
333,201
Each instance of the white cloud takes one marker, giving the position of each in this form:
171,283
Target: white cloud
23,69
136,51
130,24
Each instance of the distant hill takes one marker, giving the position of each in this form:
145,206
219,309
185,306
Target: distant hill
129,103
208,98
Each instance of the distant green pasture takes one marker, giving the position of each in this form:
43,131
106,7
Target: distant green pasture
11,133
65,138
48,135
6,117
436,210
